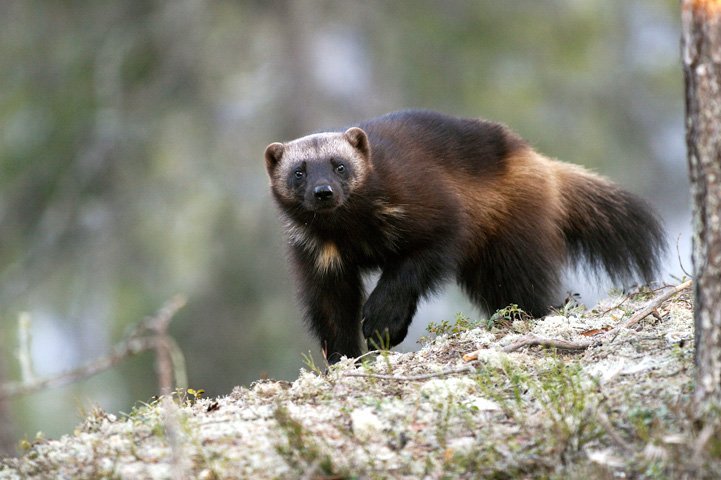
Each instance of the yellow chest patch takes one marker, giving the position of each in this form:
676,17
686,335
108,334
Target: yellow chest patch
328,258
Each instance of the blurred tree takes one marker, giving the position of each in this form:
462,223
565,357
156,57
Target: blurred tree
701,47
7,428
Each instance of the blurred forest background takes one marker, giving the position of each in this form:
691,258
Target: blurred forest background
131,156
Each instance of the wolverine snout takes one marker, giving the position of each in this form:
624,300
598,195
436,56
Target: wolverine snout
323,192
323,197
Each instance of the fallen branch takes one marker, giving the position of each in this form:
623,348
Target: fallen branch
647,310
170,359
166,350
414,378
533,340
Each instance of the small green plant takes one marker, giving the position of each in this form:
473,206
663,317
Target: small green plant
646,421
380,341
184,397
568,402
571,306
310,363
25,445
385,355
506,386
557,396
445,415
300,450
462,323
193,395
507,315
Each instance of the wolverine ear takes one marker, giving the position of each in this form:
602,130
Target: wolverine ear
358,139
273,153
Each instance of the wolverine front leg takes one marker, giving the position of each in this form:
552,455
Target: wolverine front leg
332,301
390,308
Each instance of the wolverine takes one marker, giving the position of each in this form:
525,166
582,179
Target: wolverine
424,197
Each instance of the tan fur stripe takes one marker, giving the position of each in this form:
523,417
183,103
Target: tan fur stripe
489,204
328,258
327,255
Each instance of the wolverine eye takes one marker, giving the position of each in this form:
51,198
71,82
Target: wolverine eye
340,168
299,174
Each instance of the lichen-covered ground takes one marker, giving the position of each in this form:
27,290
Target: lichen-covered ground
618,409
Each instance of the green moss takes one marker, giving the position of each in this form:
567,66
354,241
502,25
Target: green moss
300,451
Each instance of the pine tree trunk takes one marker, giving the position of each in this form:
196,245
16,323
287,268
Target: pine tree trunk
701,51
7,440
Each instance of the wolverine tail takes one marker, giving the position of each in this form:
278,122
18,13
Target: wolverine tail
611,229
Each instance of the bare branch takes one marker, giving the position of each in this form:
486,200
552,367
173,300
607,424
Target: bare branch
647,310
414,378
533,340
170,360
163,359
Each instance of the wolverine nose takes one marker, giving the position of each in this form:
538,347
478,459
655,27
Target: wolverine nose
323,192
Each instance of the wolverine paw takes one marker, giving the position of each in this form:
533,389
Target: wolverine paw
381,338
386,327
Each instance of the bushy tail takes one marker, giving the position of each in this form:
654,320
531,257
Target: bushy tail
611,229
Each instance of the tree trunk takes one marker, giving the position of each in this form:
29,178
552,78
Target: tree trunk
701,50
7,439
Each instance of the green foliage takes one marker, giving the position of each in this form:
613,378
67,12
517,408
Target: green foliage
572,306
193,395
645,422
380,341
462,323
563,395
309,362
569,400
643,293
300,451
182,397
507,315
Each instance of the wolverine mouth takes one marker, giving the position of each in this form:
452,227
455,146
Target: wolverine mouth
323,199
323,207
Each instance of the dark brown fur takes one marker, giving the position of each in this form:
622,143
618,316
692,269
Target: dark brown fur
424,197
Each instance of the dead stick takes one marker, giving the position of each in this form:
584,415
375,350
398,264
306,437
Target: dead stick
414,378
532,340
163,352
638,316
647,310
123,350
132,345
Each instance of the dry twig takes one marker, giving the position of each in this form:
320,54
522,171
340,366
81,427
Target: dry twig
647,310
414,378
533,340
170,359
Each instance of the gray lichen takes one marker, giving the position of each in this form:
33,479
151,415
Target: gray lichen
614,409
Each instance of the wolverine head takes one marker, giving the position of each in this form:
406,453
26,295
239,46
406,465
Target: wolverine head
318,172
